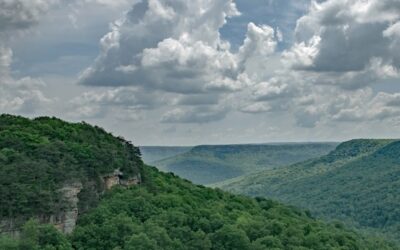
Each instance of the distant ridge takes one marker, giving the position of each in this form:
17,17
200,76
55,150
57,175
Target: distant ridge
209,164
358,182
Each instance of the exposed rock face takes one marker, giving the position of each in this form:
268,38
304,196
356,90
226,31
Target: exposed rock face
70,216
115,179
135,180
65,221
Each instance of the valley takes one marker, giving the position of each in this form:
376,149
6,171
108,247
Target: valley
51,169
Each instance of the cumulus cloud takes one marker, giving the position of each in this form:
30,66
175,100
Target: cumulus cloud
172,46
345,36
167,45
169,59
342,48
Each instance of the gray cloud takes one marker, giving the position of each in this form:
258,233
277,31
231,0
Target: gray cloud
128,101
344,36
22,14
199,114
199,99
19,95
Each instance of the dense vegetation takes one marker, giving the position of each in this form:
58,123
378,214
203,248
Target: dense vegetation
35,236
211,164
357,183
152,154
39,156
164,212
167,212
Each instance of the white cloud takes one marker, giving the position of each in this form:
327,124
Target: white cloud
175,46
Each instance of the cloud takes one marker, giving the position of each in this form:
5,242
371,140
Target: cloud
167,45
169,61
21,95
272,90
199,114
172,46
256,108
110,3
380,107
126,103
198,99
261,41
342,48
21,14
344,36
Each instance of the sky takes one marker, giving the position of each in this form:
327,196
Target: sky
178,72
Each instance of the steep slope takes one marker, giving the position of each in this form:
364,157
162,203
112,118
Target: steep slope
152,154
52,170
358,183
211,164
161,212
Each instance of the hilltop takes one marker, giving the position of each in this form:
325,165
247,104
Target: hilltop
48,165
209,164
357,183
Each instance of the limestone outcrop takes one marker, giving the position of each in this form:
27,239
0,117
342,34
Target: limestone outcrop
116,178
65,220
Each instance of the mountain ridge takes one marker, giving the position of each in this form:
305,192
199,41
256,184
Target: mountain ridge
356,183
163,211
209,164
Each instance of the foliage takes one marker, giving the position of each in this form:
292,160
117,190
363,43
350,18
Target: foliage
36,237
357,183
39,156
167,212
164,212
212,164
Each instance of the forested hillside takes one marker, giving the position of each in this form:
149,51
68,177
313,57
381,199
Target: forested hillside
357,183
211,164
44,159
161,212
166,212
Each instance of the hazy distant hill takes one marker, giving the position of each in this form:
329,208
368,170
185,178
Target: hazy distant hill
151,154
211,164
359,183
